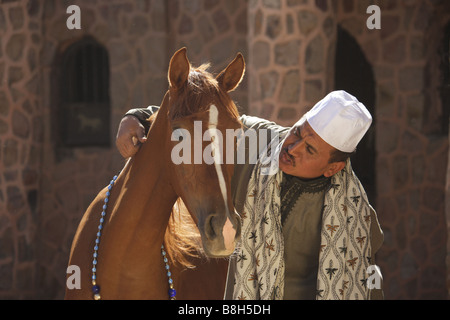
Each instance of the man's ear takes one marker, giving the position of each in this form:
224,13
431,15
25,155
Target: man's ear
334,168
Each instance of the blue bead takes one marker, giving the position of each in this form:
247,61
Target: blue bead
96,289
97,241
115,178
170,281
172,293
105,206
94,262
169,274
96,248
94,277
108,193
106,200
94,270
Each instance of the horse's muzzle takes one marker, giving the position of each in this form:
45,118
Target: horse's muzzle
221,234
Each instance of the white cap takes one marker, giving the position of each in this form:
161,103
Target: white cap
340,120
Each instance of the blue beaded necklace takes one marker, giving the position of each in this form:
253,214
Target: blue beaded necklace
95,286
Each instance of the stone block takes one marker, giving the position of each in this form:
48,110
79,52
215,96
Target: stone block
10,152
272,4
15,200
287,53
307,22
394,51
387,139
287,114
313,91
269,81
314,59
6,245
20,124
273,26
400,171
290,89
6,276
16,17
15,46
411,79
261,54
221,21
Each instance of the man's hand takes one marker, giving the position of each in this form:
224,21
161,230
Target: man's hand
130,136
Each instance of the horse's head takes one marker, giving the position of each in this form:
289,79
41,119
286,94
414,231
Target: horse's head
200,112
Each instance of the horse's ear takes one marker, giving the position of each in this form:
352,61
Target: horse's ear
230,78
179,69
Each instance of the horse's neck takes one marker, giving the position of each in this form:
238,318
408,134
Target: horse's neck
145,197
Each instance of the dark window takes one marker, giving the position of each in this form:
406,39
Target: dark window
84,113
353,73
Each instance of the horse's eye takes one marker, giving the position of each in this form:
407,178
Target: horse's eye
178,134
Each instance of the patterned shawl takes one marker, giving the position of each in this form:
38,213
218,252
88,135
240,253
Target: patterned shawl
345,238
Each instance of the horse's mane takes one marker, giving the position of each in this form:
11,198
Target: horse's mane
182,238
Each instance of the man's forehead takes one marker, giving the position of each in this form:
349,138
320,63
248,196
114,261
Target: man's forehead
306,128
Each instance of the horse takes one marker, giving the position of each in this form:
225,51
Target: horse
122,258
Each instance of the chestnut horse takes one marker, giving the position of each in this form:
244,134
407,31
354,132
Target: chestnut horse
129,262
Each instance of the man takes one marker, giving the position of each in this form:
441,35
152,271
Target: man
308,230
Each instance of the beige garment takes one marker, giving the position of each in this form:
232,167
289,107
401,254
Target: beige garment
301,231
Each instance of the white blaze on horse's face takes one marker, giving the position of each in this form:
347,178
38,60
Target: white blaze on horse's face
228,231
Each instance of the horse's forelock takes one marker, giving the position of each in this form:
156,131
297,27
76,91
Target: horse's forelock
200,90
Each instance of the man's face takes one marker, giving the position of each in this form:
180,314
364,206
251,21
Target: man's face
305,154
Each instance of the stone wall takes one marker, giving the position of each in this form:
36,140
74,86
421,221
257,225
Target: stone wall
214,31
447,213
44,189
291,50
135,36
21,141
412,152
289,46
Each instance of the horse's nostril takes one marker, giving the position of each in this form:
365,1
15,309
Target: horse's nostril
209,227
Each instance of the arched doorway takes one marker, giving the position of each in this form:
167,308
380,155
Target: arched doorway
353,73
